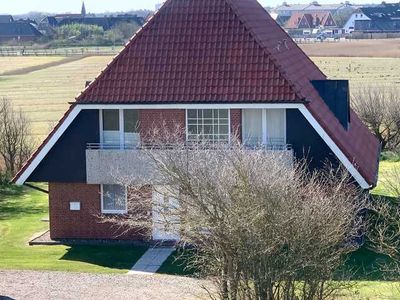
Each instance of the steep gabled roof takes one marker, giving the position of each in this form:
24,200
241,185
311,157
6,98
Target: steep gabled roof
225,51
15,29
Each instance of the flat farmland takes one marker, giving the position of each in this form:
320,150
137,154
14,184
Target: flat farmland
43,94
360,48
361,71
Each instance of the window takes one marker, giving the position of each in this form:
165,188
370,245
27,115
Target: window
131,132
113,199
211,125
120,128
111,127
264,127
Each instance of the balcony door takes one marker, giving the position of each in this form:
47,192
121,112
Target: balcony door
119,128
264,127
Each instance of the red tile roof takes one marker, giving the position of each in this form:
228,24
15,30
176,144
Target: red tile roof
310,20
224,51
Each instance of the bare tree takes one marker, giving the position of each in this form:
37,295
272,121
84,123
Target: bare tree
15,141
379,108
262,227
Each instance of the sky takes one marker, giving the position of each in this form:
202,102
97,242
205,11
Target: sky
98,6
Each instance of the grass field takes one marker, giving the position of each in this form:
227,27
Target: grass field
44,94
13,63
351,48
361,71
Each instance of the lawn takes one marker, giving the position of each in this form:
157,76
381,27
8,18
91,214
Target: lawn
21,211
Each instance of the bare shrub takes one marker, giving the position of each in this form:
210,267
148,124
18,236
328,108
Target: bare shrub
379,109
262,227
15,142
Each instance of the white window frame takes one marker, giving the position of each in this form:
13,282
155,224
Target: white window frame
264,124
115,212
121,126
187,121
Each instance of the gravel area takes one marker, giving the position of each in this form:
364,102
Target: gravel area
64,285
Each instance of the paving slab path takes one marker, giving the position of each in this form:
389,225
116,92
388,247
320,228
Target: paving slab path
63,285
151,261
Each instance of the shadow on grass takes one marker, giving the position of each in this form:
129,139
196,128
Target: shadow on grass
177,264
13,203
366,265
108,256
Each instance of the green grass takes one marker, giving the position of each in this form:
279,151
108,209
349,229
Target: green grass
385,171
44,94
21,211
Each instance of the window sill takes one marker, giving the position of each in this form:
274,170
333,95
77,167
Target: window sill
114,212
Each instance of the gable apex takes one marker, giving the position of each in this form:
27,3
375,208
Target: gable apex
204,51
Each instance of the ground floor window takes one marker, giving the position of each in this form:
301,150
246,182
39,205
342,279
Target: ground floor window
113,199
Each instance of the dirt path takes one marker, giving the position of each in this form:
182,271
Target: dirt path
43,66
62,285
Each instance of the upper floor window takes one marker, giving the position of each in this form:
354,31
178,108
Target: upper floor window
209,125
264,127
120,128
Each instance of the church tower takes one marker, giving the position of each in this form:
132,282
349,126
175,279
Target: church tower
83,10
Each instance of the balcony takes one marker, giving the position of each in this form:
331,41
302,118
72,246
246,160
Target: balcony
109,164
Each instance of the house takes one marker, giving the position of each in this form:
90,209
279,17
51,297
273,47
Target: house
301,20
288,10
380,18
219,69
49,23
357,16
6,19
21,30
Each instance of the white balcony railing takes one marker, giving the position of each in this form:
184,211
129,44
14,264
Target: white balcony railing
108,164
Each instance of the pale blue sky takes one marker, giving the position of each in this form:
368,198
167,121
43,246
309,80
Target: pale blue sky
97,6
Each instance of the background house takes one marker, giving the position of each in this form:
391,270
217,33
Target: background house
49,23
17,30
381,18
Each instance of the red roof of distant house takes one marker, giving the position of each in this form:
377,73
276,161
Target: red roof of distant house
225,51
302,20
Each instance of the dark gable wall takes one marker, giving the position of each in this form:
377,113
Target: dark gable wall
306,142
66,161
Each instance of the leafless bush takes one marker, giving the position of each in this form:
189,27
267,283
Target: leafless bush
15,143
379,108
262,227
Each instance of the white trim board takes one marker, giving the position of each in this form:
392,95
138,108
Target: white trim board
75,111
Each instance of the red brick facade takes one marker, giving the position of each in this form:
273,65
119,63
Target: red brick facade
82,224
236,124
86,223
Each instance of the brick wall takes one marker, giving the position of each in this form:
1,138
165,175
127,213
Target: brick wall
83,224
167,120
236,124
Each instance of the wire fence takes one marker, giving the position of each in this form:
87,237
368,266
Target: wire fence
25,51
